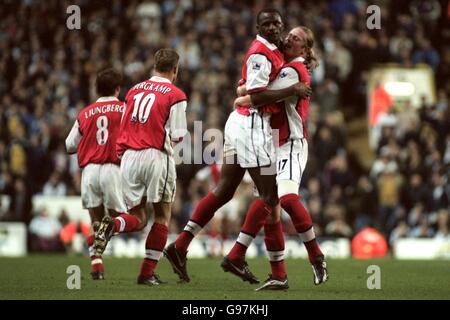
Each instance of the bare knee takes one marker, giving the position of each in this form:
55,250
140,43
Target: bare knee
142,216
271,200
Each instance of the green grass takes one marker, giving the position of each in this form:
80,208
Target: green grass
44,277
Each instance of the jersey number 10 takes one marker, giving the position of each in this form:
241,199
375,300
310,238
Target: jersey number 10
142,106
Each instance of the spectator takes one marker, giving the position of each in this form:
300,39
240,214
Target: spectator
44,230
54,186
47,80
443,225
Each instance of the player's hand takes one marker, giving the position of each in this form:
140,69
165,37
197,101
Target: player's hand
302,90
243,102
241,90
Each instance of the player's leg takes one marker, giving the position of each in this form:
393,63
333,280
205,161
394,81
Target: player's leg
274,241
113,190
230,178
289,178
154,244
257,214
92,200
160,175
97,271
113,185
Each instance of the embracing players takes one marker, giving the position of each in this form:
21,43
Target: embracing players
292,155
247,147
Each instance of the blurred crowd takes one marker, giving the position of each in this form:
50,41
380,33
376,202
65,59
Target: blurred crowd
48,73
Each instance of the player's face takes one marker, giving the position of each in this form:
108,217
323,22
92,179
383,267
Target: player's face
294,44
270,27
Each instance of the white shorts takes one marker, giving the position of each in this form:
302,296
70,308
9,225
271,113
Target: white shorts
147,173
291,160
100,184
250,138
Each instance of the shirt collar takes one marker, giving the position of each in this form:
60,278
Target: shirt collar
104,99
159,79
298,59
269,45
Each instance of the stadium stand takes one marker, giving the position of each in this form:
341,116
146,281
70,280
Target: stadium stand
47,76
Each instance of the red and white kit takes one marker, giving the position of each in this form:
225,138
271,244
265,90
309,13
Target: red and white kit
292,153
155,116
247,131
93,137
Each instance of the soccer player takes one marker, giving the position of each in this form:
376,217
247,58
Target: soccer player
247,147
93,137
292,155
154,119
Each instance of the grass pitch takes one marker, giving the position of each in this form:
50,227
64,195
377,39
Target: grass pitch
45,277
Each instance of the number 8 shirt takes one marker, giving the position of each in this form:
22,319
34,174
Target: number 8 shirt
93,137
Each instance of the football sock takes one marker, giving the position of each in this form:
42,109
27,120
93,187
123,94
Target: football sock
254,221
125,223
203,213
96,261
154,245
274,240
302,223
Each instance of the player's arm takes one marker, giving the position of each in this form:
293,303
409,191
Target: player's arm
73,139
289,79
177,118
258,72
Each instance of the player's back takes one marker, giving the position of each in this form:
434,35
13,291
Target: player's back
99,127
147,118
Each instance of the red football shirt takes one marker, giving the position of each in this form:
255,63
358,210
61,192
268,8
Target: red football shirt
98,128
154,116
291,121
262,64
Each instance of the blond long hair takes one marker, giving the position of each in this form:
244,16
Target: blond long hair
312,61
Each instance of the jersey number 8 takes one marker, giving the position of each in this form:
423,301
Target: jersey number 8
102,132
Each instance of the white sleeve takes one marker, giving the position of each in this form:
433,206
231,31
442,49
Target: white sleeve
285,78
177,120
73,139
258,72
203,173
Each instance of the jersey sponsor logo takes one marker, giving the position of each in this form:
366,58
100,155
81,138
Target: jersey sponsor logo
256,66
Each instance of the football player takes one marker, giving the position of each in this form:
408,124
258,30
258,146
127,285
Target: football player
154,119
291,157
248,146
93,137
